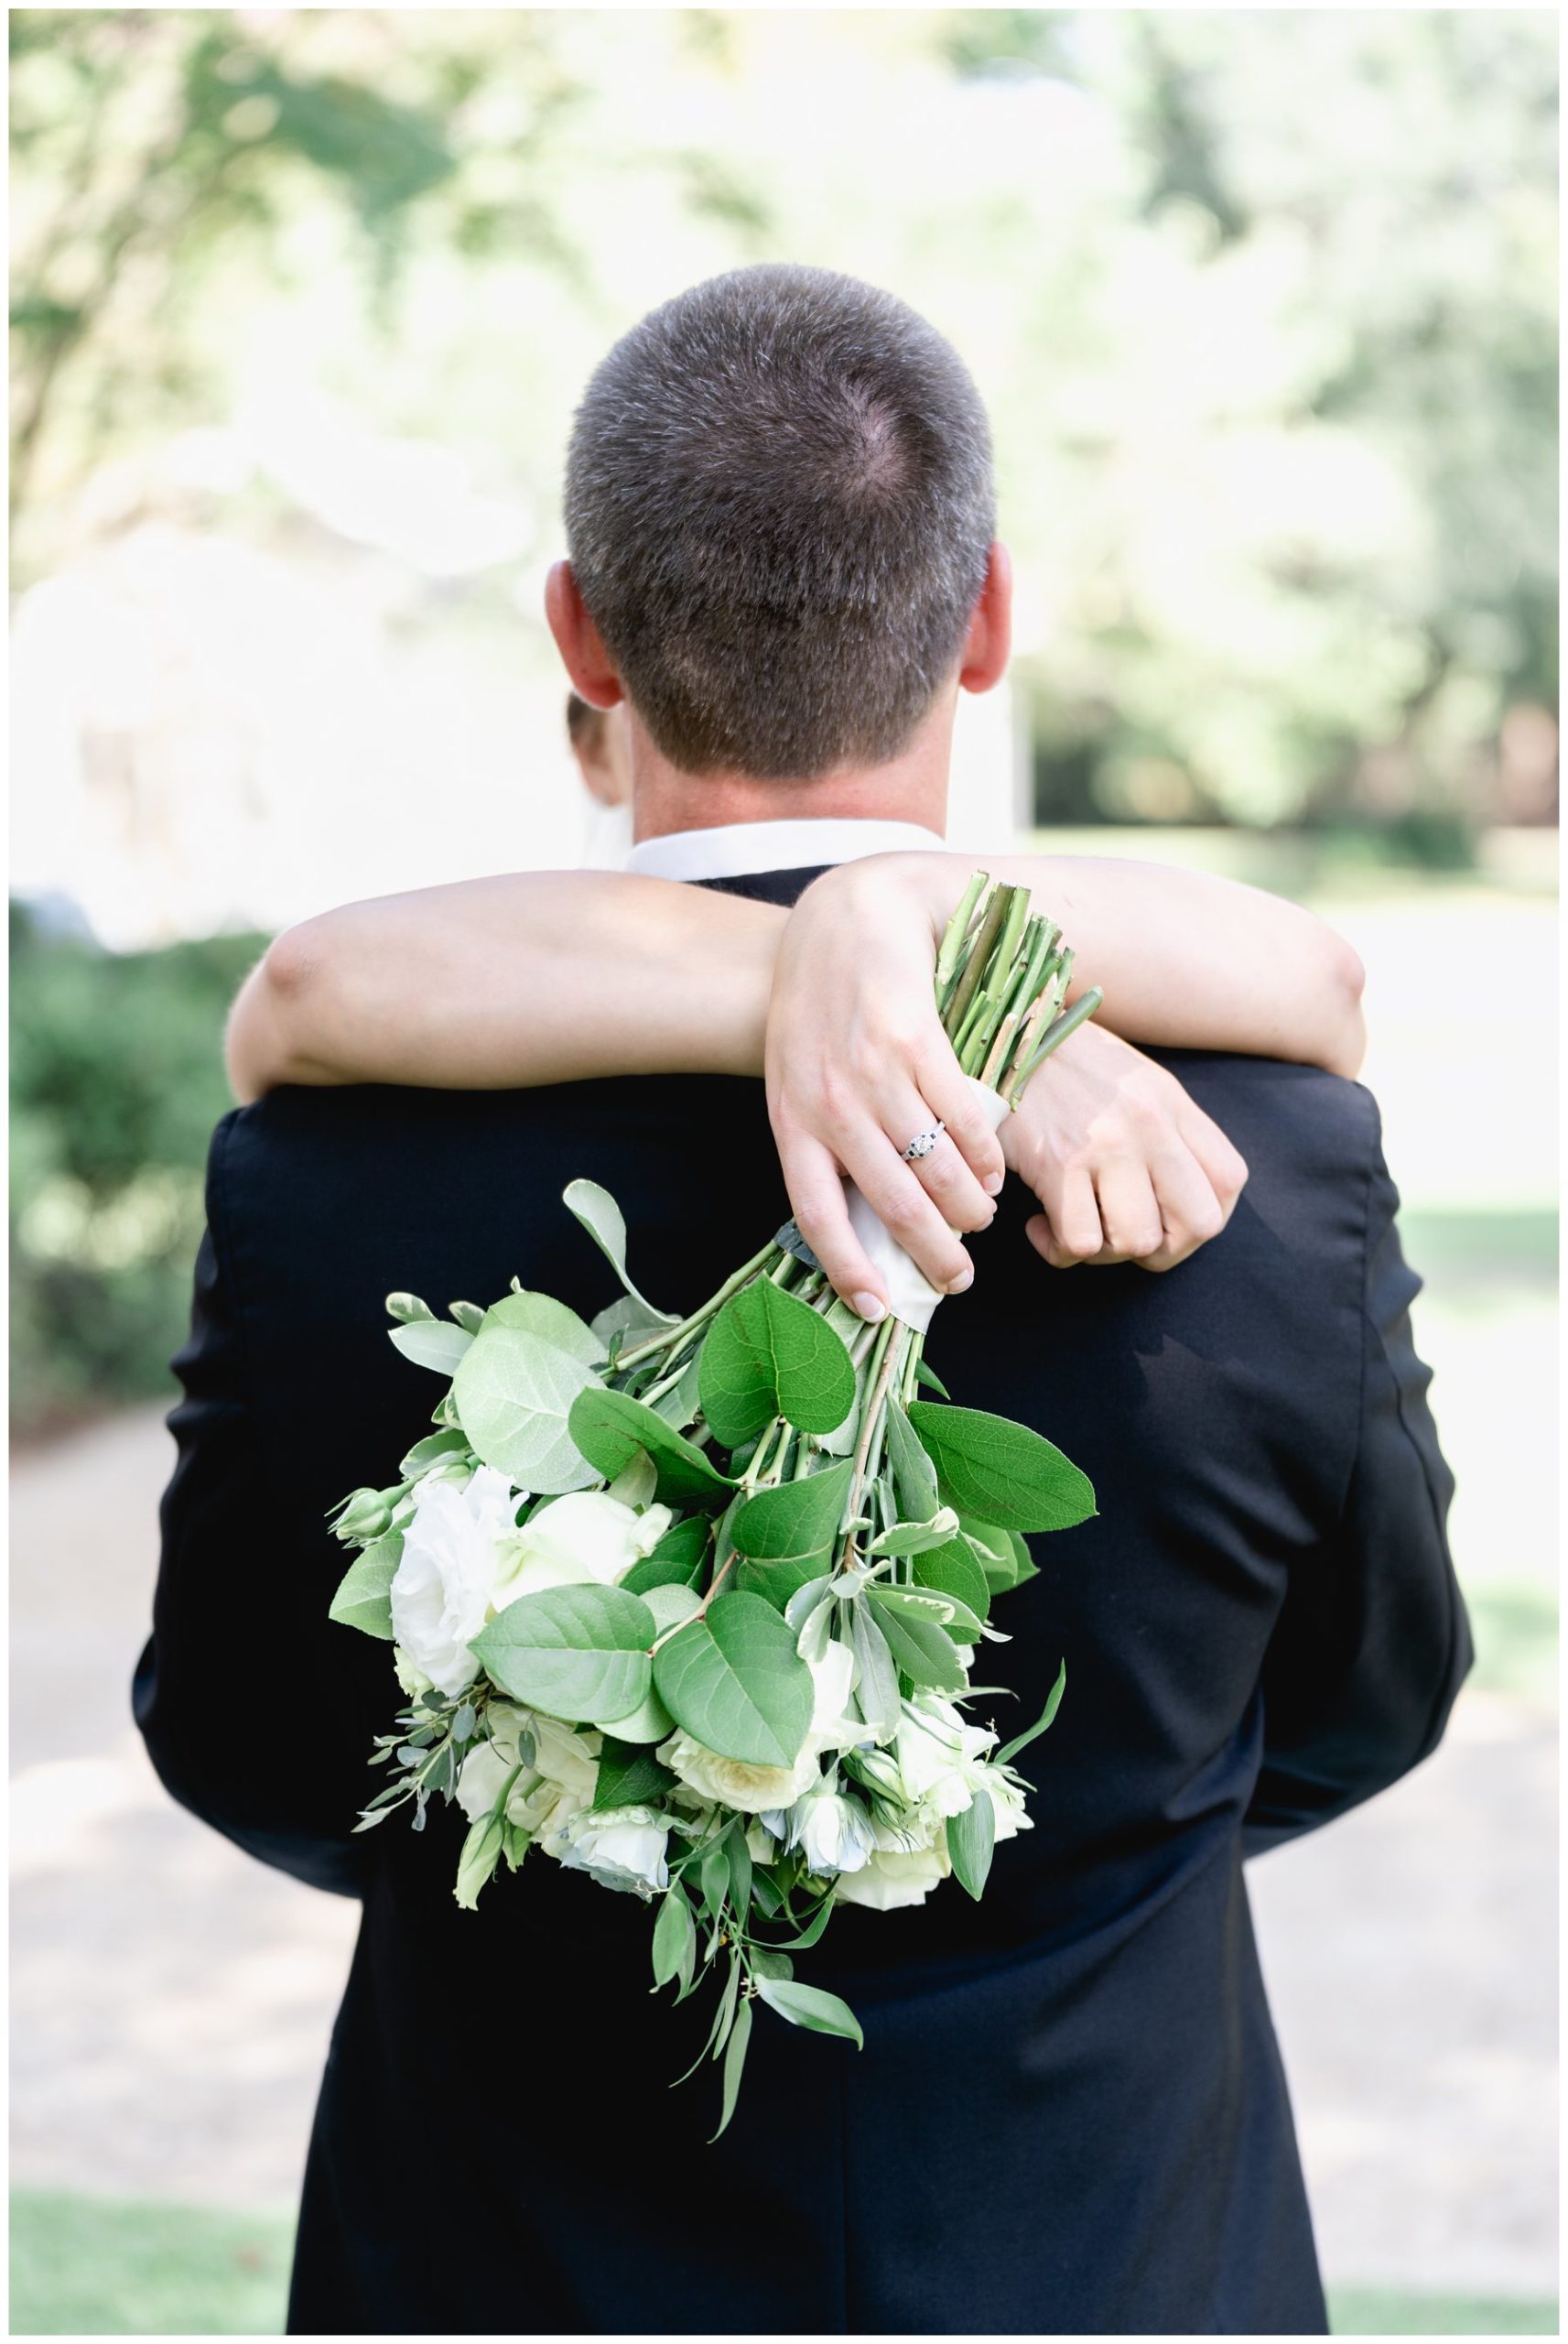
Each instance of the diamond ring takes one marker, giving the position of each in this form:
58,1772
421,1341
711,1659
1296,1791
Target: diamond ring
922,1144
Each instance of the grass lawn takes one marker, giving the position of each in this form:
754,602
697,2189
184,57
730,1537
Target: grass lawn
82,2266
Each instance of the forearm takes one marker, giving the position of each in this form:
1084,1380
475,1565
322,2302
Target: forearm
1186,961
512,982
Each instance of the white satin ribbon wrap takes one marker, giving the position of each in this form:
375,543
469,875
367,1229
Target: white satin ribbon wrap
911,1295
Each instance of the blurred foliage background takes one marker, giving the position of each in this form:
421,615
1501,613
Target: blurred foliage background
1263,306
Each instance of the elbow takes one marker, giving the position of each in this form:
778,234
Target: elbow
280,1001
1344,983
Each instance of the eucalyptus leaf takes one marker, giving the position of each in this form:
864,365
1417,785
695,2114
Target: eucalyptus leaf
671,1603
468,1315
603,1217
364,1598
629,1318
436,1448
769,1354
1007,1473
811,2006
971,1838
542,1315
649,1723
407,1308
514,1393
434,1343
925,1375
577,1653
734,1681
608,1427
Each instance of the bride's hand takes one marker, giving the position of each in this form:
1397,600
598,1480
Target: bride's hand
857,1066
1126,1166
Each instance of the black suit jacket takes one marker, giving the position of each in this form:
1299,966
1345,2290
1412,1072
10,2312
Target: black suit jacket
1070,2114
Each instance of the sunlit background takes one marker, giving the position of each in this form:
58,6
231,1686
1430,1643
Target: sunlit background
1262,304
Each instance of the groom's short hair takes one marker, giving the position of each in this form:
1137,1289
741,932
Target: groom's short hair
779,507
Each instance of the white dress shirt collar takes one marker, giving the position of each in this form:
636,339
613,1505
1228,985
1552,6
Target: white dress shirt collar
737,848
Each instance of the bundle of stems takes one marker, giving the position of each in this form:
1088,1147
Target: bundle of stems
1001,980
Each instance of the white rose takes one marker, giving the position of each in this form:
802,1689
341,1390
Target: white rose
894,1877
621,1847
831,1832
934,1764
586,1537
568,1761
456,1550
732,1781
412,1680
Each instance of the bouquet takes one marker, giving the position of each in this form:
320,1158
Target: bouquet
690,1604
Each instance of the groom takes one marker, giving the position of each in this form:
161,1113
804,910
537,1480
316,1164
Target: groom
1070,2114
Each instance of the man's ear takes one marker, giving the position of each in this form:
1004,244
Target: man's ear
577,639
988,643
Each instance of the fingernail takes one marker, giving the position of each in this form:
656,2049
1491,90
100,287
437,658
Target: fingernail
870,1307
992,1182
963,1280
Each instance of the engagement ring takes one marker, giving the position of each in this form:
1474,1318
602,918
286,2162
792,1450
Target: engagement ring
922,1144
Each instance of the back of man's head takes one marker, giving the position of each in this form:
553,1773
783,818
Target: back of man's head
779,507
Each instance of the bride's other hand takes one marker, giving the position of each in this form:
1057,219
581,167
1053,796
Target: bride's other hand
857,1067
1126,1166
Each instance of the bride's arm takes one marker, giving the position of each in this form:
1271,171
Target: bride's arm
503,983
544,977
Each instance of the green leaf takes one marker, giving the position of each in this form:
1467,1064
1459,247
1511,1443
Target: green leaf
677,1560
515,1395
364,1598
649,1721
913,1474
467,1314
734,1681
599,1214
971,1838
434,1343
1041,1723
877,1690
923,1649
579,1653
738,1856
407,1307
797,1521
607,1427
769,1354
990,1466
430,1451
823,2012
777,1582
674,1941
628,1775
928,1375
734,2061
671,1605
715,1877
542,1315
953,1568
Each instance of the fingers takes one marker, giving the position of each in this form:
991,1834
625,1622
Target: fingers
1223,1166
946,1090
822,1217
1191,1213
944,1175
907,1212
1129,1208
1068,1231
